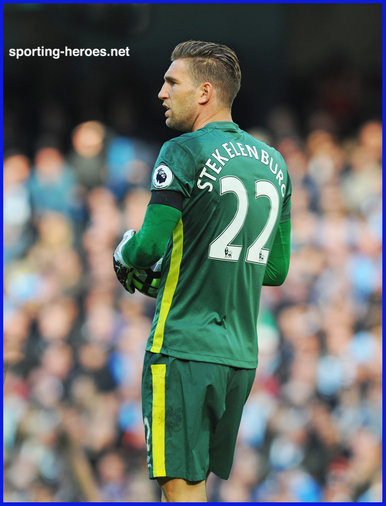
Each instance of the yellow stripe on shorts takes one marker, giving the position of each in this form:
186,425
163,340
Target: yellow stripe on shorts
158,372
170,286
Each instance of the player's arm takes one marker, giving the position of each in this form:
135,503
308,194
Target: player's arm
279,256
162,215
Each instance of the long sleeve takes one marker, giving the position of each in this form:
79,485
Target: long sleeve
279,257
149,244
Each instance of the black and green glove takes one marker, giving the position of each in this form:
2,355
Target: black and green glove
146,281
123,271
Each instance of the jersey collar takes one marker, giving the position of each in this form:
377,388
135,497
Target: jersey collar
227,126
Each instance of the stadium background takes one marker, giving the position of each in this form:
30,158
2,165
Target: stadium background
80,137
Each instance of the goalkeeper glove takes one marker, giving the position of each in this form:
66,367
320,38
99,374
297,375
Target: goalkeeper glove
123,271
147,281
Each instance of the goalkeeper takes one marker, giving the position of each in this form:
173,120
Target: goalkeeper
219,220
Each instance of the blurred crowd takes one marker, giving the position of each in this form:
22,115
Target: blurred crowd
74,339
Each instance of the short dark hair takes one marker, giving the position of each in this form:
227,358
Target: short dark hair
214,63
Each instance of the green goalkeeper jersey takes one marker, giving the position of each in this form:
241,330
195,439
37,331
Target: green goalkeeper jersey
237,192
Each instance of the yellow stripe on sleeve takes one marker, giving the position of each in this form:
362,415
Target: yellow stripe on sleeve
158,372
170,286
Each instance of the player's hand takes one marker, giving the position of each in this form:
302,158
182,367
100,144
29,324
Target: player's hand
147,281
123,271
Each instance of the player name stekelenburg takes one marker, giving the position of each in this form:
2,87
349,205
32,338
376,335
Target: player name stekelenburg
231,151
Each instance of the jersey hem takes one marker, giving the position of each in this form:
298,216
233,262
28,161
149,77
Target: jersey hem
242,364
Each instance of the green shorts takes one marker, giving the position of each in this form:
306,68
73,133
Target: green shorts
191,413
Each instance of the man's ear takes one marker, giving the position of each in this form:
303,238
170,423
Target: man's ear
206,93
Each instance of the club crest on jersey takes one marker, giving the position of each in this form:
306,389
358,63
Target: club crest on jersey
162,177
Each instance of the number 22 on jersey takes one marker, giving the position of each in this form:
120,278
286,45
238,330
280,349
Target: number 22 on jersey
222,248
